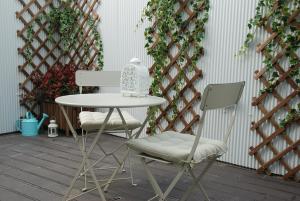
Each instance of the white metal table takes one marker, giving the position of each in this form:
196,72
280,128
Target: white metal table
105,100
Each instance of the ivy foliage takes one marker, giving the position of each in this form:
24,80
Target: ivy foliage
170,25
293,115
65,20
276,15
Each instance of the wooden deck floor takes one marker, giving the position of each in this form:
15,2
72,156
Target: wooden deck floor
40,169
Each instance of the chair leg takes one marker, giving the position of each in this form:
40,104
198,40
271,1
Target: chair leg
131,168
152,180
174,181
188,192
162,195
115,172
199,185
84,136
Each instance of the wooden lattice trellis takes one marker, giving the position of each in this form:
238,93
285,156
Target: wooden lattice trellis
283,104
189,96
46,52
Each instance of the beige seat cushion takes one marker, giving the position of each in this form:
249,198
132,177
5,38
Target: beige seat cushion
94,120
175,147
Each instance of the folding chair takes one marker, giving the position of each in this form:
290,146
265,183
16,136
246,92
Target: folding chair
185,151
92,121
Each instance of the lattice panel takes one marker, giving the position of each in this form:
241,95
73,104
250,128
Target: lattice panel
269,115
45,52
189,95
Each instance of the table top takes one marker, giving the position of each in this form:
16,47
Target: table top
108,100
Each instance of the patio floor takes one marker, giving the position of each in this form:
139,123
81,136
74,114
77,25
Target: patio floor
41,169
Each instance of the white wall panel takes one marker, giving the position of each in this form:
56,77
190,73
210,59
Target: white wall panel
9,101
225,33
122,39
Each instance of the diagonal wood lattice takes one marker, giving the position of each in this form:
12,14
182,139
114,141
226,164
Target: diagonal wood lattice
279,157
46,52
189,96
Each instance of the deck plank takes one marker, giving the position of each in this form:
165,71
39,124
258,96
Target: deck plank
34,169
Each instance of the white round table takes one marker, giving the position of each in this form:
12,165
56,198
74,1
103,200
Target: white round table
105,100
108,100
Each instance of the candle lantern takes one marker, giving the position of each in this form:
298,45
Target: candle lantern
135,79
52,129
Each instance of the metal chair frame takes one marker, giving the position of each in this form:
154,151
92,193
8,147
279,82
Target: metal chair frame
214,97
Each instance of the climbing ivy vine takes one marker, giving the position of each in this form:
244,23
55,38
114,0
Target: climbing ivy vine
168,22
64,20
276,14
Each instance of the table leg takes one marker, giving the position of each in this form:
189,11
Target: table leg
131,136
85,154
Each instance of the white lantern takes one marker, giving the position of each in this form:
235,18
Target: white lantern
135,79
52,129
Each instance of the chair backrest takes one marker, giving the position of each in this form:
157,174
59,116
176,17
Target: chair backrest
85,78
217,96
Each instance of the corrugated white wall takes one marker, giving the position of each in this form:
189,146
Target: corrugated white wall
226,31
122,39
9,100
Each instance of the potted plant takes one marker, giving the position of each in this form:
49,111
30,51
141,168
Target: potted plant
57,81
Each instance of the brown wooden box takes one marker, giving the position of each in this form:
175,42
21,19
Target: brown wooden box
54,112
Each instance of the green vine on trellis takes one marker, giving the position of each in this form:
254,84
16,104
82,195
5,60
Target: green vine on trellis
293,115
65,20
29,38
275,13
170,22
98,42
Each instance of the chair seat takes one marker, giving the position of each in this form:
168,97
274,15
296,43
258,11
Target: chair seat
175,147
94,120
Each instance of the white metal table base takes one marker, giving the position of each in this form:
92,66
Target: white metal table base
87,167
85,160
106,154
112,153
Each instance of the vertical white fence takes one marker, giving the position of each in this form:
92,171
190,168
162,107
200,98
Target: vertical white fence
9,79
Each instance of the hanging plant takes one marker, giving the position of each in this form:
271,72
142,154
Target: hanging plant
65,20
169,22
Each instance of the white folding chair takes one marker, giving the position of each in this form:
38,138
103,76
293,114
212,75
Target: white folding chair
92,121
185,151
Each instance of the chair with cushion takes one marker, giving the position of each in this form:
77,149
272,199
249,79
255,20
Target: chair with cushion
92,121
184,150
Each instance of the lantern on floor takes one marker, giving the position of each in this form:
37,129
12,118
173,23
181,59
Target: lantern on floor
52,129
135,79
